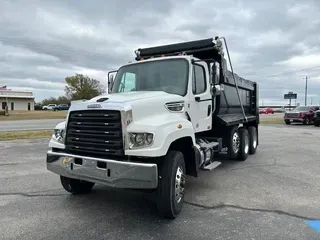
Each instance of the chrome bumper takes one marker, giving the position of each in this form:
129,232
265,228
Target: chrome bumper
117,174
292,119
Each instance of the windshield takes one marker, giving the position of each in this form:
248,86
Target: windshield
301,109
170,75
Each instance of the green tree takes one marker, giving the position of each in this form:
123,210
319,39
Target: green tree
58,100
63,100
50,100
82,87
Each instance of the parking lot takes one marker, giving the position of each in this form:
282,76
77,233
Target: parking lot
269,196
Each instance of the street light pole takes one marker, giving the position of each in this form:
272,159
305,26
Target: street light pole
306,91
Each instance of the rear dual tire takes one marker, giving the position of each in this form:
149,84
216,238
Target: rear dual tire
242,142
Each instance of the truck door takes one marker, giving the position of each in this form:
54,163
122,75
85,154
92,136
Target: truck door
200,102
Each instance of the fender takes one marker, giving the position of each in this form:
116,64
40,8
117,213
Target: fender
166,128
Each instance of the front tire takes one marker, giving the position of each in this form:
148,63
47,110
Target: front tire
171,187
75,186
306,121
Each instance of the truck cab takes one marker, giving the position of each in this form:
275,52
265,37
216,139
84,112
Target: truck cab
168,115
184,79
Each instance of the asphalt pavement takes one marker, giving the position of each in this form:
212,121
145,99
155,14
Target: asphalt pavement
18,125
269,196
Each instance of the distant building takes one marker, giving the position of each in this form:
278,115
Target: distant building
16,100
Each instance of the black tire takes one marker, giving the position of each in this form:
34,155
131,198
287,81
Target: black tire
169,205
253,139
287,122
233,142
76,186
244,144
316,124
306,121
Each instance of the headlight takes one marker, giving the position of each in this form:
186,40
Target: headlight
140,139
59,134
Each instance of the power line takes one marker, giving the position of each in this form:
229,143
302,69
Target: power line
292,88
284,73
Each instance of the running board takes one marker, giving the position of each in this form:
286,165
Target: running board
211,166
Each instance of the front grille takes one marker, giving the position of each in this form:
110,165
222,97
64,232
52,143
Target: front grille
95,133
292,115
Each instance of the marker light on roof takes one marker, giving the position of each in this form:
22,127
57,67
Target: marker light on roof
137,52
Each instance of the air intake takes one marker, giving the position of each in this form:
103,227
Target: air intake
102,99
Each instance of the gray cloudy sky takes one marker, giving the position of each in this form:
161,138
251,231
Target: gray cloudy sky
42,42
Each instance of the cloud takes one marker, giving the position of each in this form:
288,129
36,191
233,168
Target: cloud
47,40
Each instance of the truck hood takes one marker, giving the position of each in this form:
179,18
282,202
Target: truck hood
134,96
143,103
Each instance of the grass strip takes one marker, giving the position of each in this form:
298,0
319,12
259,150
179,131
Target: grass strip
18,135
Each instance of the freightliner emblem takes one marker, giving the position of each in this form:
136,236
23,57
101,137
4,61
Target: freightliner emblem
95,105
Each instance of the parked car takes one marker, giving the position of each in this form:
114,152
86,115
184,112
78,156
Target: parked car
266,111
316,120
49,106
303,114
61,107
38,107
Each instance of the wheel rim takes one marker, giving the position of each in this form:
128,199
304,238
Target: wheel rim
235,142
246,144
179,184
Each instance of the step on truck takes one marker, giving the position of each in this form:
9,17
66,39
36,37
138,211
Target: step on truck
168,114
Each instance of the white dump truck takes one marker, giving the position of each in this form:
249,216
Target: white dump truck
168,114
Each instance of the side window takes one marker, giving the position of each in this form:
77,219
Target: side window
128,82
199,79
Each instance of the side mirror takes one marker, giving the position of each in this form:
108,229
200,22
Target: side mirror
111,80
214,73
216,90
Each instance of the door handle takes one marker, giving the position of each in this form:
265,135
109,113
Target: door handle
197,99
209,110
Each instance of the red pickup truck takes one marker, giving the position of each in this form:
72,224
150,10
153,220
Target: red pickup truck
266,111
303,114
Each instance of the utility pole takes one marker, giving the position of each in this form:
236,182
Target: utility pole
306,91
